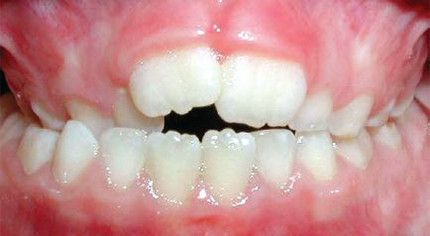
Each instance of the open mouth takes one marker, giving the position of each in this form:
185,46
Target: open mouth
215,117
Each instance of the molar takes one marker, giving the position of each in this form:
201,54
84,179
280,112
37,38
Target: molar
357,151
47,119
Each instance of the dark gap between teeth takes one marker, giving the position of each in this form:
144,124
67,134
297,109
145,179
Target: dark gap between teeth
199,120
4,88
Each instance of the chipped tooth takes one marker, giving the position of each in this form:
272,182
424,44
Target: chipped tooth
314,113
178,81
401,106
228,158
47,119
382,117
123,150
12,128
90,116
349,120
388,135
315,151
76,148
422,93
127,115
36,148
174,162
357,151
257,90
7,106
275,155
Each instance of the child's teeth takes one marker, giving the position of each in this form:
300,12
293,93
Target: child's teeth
401,106
349,120
275,155
127,115
123,150
388,135
228,158
178,81
358,151
36,148
47,119
174,162
315,152
382,117
76,148
314,113
256,91
12,128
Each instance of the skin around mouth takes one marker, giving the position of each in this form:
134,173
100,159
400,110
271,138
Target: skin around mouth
57,53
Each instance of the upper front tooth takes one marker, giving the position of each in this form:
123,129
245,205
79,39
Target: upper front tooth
12,128
174,162
314,113
178,81
76,148
358,151
257,91
123,150
349,120
275,154
47,119
228,158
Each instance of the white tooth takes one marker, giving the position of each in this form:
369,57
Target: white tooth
315,152
7,106
257,90
36,148
123,150
178,81
126,115
228,158
401,106
76,148
382,117
314,113
275,154
173,163
349,120
12,128
388,135
90,116
422,93
47,119
357,151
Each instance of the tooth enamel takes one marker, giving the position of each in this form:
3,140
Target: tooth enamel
401,106
256,91
36,148
76,148
126,115
422,93
349,120
315,152
7,106
275,155
357,151
123,150
46,118
90,116
12,128
178,81
314,113
228,158
173,163
388,135
382,117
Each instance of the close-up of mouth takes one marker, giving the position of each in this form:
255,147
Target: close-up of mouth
214,117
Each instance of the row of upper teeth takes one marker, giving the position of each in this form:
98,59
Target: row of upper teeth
245,89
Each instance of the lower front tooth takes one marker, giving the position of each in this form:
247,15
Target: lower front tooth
357,151
12,128
123,151
174,162
228,158
76,148
315,152
36,148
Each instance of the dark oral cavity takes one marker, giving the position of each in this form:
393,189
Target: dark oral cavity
77,60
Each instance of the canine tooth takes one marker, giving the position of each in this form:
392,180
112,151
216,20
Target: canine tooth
388,135
36,148
126,115
173,163
178,81
315,152
90,116
423,93
258,90
7,106
76,148
123,152
382,117
12,128
47,119
275,155
314,113
349,120
228,158
358,151
401,106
